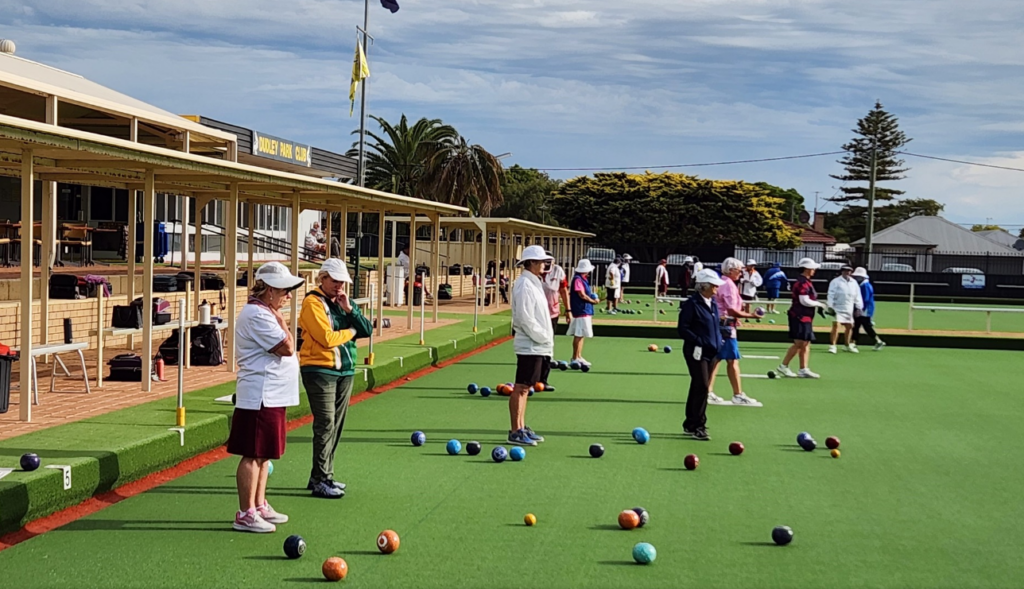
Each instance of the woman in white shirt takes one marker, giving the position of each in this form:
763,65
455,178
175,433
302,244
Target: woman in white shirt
268,383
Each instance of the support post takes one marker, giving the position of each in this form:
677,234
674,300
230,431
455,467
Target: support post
148,200
296,210
184,232
497,266
481,283
252,245
231,265
27,216
133,237
48,237
101,324
343,237
197,245
381,227
869,237
412,266
436,264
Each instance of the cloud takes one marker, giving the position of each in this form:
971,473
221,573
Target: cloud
578,83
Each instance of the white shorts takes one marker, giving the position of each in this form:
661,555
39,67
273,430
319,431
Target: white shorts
581,327
844,318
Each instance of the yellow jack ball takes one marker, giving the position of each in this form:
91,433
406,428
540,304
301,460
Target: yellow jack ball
835,453
530,519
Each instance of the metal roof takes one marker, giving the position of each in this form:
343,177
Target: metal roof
505,222
940,234
1004,237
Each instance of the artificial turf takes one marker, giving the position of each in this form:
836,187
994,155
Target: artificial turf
924,495
888,315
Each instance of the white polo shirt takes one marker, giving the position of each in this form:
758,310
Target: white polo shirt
263,378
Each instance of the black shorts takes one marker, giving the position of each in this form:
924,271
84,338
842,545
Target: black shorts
748,297
800,330
528,369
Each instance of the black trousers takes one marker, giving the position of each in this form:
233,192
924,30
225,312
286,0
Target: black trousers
864,322
697,399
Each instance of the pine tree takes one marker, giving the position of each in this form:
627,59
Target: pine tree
881,130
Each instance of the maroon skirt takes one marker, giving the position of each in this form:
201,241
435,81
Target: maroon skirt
258,433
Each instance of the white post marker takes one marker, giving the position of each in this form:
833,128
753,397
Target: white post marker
477,299
5,471
179,413
910,321
373,292
181,433
66,469
423,325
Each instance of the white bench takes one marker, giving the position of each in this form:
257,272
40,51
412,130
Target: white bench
56,350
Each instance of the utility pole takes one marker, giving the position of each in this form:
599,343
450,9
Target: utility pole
816,202
361,165
871,201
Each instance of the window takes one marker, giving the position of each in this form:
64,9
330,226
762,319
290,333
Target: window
102,204
121,205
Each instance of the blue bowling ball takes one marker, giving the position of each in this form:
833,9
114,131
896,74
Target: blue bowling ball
418,438
641,436
517,454
499,454
453,447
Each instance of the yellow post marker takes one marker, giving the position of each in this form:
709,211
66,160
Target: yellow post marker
179,416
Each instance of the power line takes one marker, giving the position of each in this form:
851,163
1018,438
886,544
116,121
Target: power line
944,159
727,163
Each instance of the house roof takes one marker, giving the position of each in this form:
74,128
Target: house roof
940,234
1004,237
808,235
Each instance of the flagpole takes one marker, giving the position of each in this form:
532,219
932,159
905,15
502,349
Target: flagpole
360,166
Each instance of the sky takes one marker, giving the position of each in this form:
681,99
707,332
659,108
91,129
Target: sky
585,84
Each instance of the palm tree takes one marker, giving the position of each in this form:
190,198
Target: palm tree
462,174
395,158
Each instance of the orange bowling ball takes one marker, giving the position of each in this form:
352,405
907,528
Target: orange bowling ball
539,387
387,541
628,519
335,568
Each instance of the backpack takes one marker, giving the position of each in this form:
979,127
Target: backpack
207,349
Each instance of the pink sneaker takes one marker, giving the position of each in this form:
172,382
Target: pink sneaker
250,521
269,515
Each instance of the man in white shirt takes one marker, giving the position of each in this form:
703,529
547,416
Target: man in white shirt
314,239
845,299
750,281
624,272
403,259
534,341
612,282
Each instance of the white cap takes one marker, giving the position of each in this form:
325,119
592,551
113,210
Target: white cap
584,267
336,269
534,252
808,263
861,272
276,275
627,257
708,277
751,262
688,260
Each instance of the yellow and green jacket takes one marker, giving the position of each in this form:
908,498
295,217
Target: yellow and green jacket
329,335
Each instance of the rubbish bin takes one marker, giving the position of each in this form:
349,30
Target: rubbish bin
417,294
6,363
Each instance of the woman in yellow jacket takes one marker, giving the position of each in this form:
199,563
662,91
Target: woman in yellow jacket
330,325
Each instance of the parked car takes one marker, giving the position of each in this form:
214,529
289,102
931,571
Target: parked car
600,255
956,270
832,265
676,259
897,268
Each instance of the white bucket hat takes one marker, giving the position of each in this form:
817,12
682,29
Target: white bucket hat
584,267
808,263
861,272
708,277
336,269
534,252
751,262
275,274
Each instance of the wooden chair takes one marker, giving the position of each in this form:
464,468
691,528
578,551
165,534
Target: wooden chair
78,237
6,243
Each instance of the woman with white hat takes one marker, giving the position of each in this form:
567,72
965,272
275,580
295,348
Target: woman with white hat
864,319
702,338
750,281
801,321
268,382
534,341
581,307
330,326
844,298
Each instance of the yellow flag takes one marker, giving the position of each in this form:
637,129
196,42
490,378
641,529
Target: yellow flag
360,71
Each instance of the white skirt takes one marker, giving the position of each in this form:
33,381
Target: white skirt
844,318
581,327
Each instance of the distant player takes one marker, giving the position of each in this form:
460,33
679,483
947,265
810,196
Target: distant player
844,298
612,282
774,281
581,304
534,340
864,319
730,303
801,319
702,338
750,281
661,277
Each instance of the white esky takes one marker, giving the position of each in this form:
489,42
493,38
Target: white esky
595,83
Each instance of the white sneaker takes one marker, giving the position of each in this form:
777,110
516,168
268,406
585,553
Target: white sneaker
270,515
714,399
879,345
250,521
583,360
785,371
831,349
775,312
852,348
806,373
743,400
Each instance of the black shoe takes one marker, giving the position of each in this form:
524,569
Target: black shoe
701,435
548,388
687,432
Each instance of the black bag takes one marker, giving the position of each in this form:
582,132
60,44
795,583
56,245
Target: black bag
206,346
65,286
210,281
422,271
169,349
467,270
184,280
161,310
125,368
455,270
127,316
444,292
165,283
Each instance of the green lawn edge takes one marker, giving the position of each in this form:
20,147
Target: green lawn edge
111,450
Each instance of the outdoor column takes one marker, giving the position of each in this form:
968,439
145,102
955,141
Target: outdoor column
342,238
133,236
197,245
412,264
48,238
482,281
296,210
435,266
232,273
497,266
184,232
148,198
327,233
27,216
381,228
252,245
